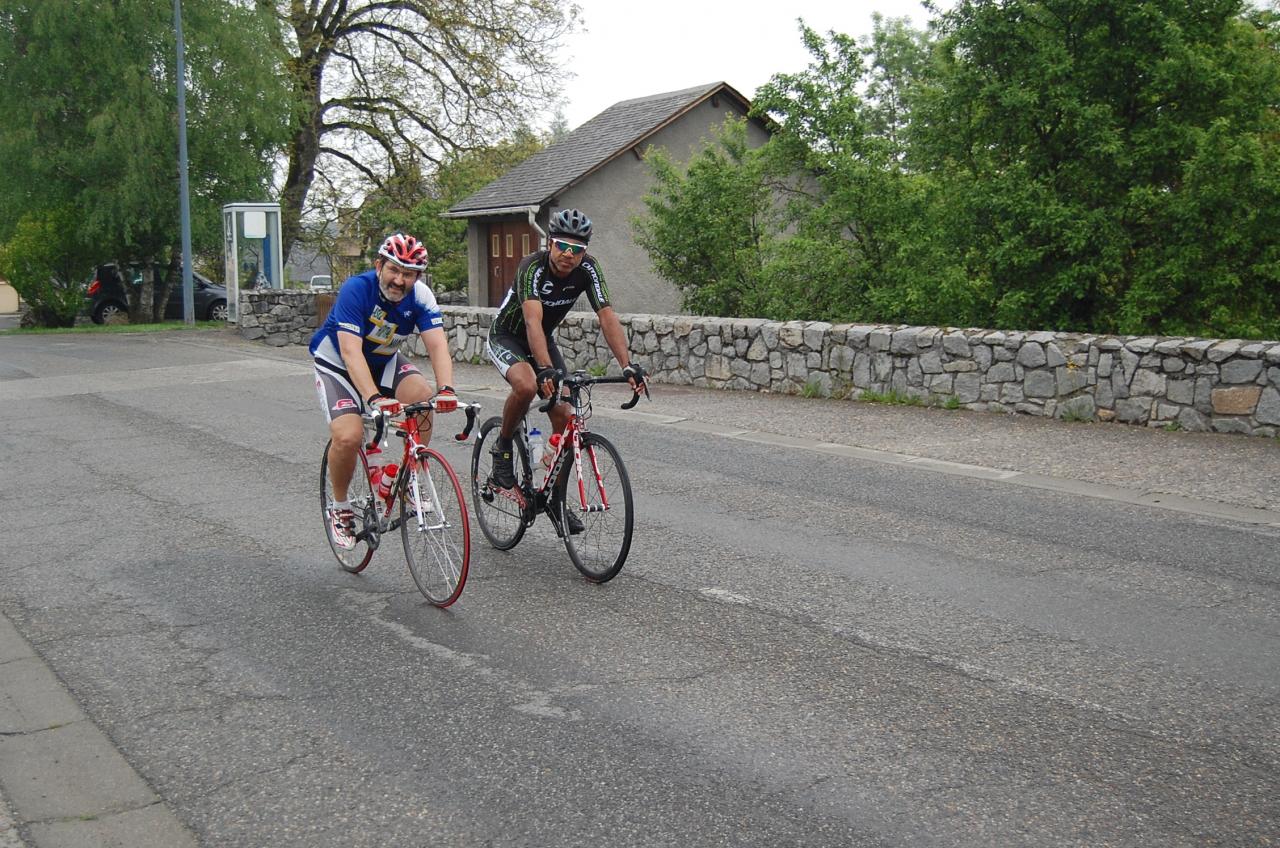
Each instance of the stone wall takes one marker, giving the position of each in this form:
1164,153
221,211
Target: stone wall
1228,386
278,317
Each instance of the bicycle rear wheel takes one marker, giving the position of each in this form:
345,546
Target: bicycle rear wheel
603,504
434,528
500,512
360,495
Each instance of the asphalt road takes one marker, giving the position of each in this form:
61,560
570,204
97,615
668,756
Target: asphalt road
840,625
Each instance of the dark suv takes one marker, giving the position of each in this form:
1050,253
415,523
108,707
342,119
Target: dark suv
108,301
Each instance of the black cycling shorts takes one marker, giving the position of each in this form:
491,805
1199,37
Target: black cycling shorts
505,350
338,394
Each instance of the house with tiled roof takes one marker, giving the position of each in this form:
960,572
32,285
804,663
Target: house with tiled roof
598,168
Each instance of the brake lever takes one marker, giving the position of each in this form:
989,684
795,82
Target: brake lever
379,428
471,422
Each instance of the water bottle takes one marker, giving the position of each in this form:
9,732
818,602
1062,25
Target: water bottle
536,447
373,462
386,479
549,455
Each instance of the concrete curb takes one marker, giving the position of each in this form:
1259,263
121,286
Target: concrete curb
65,784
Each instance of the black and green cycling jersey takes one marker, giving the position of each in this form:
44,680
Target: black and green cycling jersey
536,280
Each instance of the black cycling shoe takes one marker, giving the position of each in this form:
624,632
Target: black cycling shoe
503,474
575,524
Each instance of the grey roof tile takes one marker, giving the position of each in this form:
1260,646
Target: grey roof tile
549,171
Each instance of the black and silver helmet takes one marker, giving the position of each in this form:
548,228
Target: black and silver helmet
571,223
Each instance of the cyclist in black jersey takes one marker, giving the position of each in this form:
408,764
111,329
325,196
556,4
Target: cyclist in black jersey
522,342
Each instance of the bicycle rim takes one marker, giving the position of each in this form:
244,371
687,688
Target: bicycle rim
360,495
499,512
600,550
434,528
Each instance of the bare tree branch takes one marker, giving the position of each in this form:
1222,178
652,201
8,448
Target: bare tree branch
387,86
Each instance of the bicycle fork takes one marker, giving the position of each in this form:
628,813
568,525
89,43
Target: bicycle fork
423,502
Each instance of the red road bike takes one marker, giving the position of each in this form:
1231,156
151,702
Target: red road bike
584,488
424,502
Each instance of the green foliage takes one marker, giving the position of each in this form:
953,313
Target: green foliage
1090,165
459,175
811,389
892,396
88,97
1076,415
412,202
42,265
952,402
1113,164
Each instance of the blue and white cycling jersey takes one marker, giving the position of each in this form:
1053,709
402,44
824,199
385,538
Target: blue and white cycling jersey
361,309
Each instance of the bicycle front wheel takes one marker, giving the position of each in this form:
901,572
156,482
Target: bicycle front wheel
434,528
500,512
599,505
355,557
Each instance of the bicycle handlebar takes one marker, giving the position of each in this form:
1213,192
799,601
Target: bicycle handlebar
579,380
380,419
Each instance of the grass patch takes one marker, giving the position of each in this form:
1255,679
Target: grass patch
1075,416
598,370
892,396
1172,427
811,389
94,329
951,402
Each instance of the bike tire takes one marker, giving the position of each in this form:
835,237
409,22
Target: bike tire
352,560
502,518
601,549
437,548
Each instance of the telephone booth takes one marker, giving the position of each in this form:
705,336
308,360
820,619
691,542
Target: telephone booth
253,250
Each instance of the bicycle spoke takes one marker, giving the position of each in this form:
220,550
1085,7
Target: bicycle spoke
602,504
434,528
355,558
501,513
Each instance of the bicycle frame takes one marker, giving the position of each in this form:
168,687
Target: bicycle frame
407,426
538,498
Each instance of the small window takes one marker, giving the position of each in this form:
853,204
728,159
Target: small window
495,245
510,245
524,245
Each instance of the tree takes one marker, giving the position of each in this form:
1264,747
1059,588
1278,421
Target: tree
87,91
42,265
459,175
1113,163
709,227
388,88
413,202
866,231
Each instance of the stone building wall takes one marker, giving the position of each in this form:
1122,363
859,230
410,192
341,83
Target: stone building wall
1224,385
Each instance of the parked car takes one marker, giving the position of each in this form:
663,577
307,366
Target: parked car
108,301
321,282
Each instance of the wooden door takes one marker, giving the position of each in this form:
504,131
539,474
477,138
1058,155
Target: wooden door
508,243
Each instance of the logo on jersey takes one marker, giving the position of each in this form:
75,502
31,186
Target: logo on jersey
548,287
408,368
344,403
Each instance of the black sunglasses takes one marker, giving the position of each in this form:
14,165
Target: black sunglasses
569,247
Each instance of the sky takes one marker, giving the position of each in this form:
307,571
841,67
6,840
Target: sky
624,50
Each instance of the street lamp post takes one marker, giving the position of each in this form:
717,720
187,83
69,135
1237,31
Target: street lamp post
184,199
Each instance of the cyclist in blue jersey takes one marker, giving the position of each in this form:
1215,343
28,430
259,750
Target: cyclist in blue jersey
521,341
359,366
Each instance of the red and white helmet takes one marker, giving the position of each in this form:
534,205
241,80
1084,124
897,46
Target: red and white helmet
405,251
